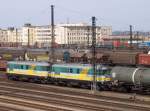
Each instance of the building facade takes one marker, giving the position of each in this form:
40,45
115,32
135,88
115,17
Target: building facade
65,34
43,36
3,36
28,35
79,34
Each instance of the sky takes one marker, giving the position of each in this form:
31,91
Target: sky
116,13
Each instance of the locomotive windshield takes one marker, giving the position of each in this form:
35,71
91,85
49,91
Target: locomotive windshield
99,72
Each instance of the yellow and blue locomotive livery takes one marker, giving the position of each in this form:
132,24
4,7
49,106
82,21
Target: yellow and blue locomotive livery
80,74
76,74
28,70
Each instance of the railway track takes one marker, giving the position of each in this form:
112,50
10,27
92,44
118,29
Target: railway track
20,96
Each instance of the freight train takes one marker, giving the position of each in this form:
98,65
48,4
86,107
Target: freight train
67,74
122,78
130,71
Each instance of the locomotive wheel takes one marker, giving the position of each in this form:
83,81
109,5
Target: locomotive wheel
31,80
9,77
43,81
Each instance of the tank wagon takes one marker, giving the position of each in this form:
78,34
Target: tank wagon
131,78
67,74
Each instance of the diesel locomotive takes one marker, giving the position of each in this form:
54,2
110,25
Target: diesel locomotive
67,74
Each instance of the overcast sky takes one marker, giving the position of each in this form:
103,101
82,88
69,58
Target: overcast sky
117,13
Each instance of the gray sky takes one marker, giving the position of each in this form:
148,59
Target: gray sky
117,13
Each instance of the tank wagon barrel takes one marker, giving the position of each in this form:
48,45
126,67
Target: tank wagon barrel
130,75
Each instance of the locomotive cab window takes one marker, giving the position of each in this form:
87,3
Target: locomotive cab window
11,66
71,70
78,71
56,69
100,72
25,67
21,66
106,72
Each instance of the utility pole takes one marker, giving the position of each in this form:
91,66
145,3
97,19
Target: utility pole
52,58
94,54
131,37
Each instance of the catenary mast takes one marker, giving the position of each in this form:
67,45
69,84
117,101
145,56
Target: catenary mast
94,53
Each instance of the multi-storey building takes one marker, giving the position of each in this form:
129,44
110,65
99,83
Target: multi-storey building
3,36
43,35
28,35
12,35
65,34
79,34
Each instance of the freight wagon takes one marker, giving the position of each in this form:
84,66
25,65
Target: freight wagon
144,59
115,57
3,65
131,78
124,58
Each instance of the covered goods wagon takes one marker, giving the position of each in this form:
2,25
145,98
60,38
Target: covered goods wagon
124,58
144,59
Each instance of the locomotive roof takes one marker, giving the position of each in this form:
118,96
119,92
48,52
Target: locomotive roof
29,63
79,66
73,65
56,65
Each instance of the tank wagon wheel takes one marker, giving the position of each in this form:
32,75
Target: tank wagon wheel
128,89
124,89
